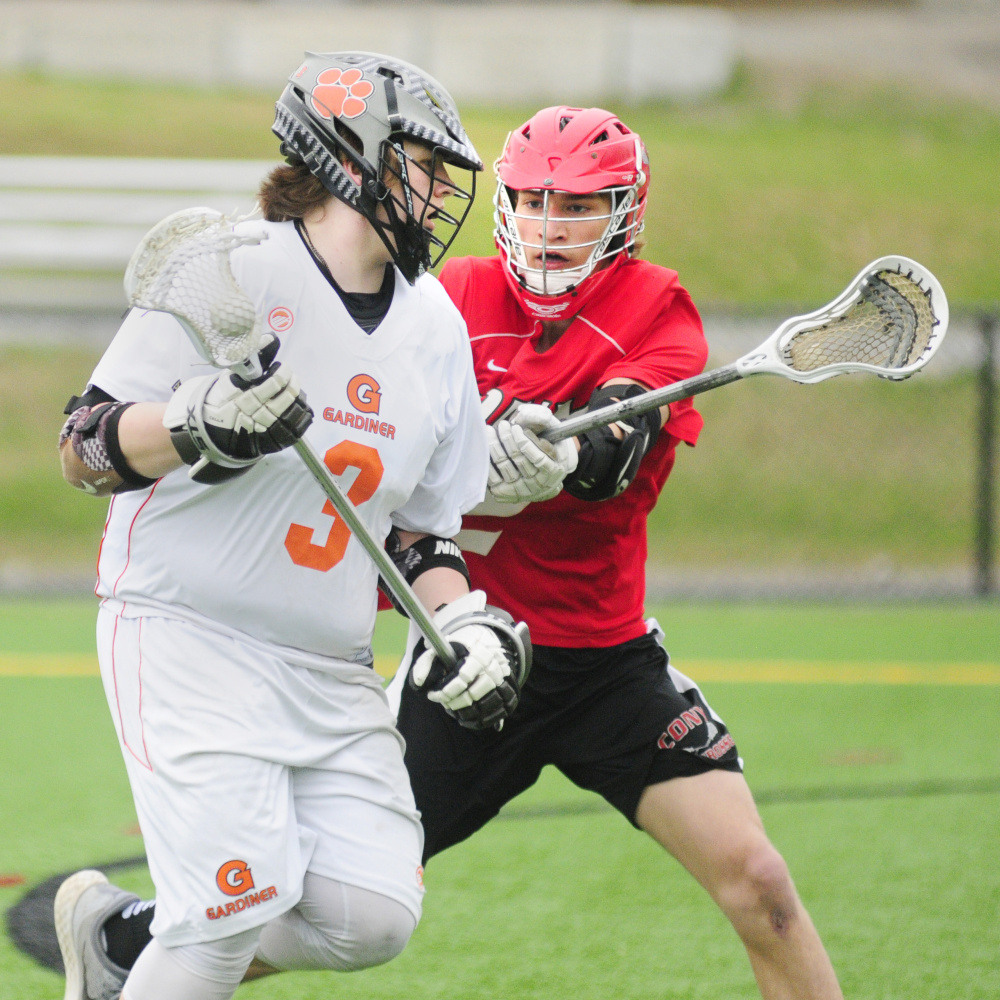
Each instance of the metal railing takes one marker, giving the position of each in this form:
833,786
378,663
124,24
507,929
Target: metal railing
986,468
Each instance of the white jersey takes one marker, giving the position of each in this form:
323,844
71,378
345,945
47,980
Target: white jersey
397,420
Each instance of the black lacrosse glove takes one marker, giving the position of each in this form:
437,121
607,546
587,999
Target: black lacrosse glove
225,421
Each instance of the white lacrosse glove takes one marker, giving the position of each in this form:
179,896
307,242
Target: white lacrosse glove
225,421
494,658
523,466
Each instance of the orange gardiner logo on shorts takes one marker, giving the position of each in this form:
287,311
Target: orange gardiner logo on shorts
241,904
234,878
363,392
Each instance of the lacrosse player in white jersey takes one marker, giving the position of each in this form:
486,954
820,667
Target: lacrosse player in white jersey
237,610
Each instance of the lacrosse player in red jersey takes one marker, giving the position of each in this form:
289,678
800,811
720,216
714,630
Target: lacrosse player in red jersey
565,318
237,612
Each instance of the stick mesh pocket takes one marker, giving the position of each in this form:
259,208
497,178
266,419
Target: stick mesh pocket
890,327
182,267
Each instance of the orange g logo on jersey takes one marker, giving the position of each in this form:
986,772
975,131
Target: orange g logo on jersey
234,878
280,319
341,93
363,392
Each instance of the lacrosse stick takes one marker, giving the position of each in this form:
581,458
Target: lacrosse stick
890,320
182,267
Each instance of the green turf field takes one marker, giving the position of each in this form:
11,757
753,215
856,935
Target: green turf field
870,733
883,796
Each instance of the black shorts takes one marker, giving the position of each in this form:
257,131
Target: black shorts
613,720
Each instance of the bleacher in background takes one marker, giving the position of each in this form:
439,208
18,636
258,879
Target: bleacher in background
88,213
68,226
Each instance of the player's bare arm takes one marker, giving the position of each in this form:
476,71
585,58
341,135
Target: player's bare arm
439,585
494,654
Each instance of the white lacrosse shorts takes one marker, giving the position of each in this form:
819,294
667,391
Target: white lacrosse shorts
247,770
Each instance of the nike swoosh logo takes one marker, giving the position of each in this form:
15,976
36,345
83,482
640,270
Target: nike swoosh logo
494,367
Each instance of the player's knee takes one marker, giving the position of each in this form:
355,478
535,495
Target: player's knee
337,926
368,940
376,936
761,895
356,928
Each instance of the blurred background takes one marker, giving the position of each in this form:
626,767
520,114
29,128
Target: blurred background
790,144
824,561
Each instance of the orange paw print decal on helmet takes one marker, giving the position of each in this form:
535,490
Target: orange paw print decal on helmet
341,93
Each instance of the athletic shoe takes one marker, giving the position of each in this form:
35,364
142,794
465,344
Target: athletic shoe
84,901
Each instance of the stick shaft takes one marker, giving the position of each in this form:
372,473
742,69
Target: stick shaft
651,400
401,590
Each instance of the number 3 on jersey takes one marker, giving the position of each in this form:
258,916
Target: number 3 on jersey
299,540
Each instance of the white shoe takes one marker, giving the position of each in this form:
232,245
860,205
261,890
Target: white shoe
84,901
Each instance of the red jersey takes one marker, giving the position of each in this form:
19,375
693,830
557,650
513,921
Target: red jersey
575,570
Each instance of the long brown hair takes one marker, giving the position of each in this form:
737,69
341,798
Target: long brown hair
291,192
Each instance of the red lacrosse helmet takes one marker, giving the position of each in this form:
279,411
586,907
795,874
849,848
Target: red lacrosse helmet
576,151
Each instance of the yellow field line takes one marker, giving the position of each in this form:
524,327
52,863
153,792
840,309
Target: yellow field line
706,671
48,665
840,672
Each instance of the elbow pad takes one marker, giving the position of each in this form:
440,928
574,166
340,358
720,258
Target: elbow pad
426,553
606,466
92,430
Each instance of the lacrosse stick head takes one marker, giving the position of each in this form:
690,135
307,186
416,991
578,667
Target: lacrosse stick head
182,267
890,321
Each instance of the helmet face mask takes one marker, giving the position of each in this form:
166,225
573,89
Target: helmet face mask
412,213
537,259
364,109
561,157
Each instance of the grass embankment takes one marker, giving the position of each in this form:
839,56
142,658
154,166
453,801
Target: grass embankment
851,472
757,203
